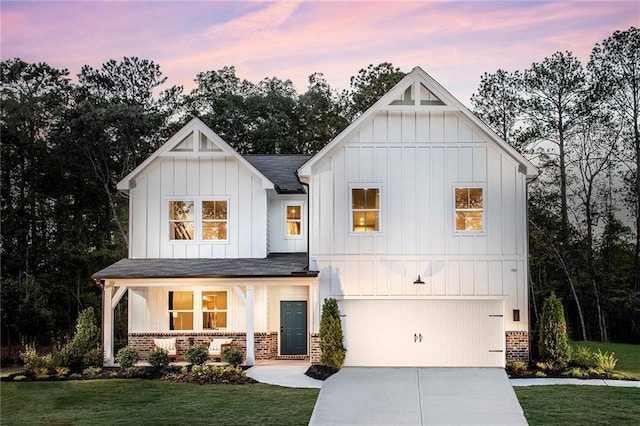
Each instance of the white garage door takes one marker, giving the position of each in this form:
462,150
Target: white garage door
429,333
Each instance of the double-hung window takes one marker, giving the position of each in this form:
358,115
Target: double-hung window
365,209
469,209
293,220
180,310
214,310
199,219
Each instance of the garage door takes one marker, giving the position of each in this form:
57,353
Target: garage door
429,333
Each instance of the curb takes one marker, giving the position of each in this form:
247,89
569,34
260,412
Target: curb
570,381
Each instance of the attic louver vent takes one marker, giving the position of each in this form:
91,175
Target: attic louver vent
185,145
428,98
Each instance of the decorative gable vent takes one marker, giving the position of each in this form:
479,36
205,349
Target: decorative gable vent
187,144
426,96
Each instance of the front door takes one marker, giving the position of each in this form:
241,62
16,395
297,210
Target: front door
293,328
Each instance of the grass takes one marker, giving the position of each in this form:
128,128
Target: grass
628,355
579,405
150,402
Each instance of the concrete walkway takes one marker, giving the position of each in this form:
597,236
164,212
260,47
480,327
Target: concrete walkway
580,382
284,373
418,396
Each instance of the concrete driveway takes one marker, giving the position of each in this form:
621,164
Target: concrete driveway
417,396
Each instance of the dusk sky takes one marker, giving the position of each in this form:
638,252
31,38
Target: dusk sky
454,41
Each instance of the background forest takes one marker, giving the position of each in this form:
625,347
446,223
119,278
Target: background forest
66,144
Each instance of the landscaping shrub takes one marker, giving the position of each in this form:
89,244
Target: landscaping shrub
331,337
232,355
127,357
197,354
516,366
31,359
581,355
605,361
210,374
85,338
93,358
553,343
158,357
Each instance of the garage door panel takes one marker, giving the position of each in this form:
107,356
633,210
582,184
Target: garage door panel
424,332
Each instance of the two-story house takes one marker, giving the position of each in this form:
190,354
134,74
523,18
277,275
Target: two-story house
414,218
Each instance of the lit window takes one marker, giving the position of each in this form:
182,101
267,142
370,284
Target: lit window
180,310
181,220
469,209
214,310
294,220
365,208
214,220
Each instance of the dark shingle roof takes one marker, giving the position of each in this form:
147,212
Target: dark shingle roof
281,170
274,265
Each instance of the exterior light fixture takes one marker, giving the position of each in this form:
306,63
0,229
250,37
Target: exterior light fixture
516,315
418,281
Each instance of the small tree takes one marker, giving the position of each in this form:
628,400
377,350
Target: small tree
85,340
553,343
331,338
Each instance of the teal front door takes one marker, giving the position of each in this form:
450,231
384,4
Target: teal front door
293,328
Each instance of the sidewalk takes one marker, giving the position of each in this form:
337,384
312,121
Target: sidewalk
572,381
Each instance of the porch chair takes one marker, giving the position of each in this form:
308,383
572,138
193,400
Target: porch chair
168,345
217,345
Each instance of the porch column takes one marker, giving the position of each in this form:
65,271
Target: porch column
247,300
107,325
250,325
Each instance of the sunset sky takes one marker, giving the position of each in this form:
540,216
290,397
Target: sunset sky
454,41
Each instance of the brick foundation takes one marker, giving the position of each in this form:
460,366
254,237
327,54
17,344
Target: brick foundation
517,346
265,344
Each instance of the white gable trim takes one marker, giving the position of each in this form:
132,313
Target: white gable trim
416,77
195,126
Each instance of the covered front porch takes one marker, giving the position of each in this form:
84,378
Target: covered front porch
269,314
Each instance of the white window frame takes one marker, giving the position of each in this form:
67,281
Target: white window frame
198,221
192,310
483,209
353,186
204,311
299,205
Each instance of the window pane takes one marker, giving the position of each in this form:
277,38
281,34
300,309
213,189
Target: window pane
181,230
358,198
475,198
214,320
180,300
293,212
181,210
181,321
214,230
372,198
462,198
214,210
293,228
212,300
469,221
371,221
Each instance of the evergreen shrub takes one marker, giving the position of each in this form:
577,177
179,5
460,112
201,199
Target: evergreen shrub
331,338
553,343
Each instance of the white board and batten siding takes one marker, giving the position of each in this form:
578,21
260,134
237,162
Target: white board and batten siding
175,178
278,240
417,158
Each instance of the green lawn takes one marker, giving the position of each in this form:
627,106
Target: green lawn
579,405
151,402
628,355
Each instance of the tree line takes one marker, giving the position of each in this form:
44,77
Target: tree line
66,144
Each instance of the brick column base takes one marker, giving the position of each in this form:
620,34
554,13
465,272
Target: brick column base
314,347
517,346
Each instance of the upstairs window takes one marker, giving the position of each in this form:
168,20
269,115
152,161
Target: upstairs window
365,209
180,310
469,209
214,220
293,220
214,310
181,220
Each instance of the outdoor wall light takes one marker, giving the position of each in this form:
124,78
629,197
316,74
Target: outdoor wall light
418,281
516,315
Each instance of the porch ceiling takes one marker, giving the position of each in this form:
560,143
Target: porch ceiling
274,265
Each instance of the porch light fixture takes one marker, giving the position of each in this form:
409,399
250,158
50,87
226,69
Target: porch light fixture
418,281
516,315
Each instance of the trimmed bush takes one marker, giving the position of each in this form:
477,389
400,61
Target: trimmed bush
85,339
581,355
197,354
127,357
553,343
93,358
158,357
605,361
232,355
331,347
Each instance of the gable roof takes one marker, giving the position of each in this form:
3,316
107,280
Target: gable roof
281,170
195,139
418,91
